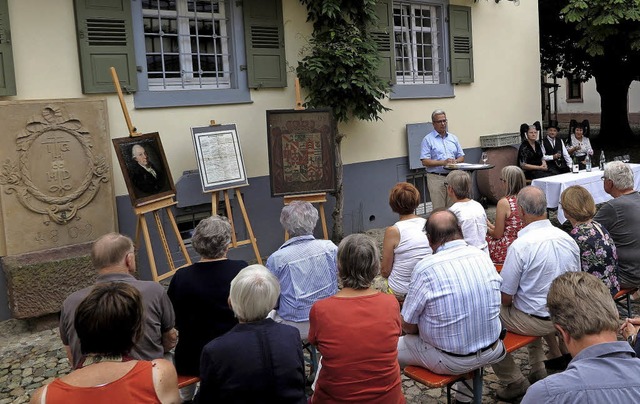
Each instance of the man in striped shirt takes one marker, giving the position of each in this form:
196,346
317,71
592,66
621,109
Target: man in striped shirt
451,312
305,267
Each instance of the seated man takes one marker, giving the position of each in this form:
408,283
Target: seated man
555,153
603,370
114,259
470,214
541,253
620,217
450,314
305,267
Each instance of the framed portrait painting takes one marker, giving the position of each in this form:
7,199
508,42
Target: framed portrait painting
144,167
301,151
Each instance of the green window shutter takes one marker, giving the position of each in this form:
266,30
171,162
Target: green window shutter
7,75
461,44
105,39
264,42
382,33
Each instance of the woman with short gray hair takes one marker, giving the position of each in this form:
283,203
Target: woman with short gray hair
299,218
199,294
349,337
258,360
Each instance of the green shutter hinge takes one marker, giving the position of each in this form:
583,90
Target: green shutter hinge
243,68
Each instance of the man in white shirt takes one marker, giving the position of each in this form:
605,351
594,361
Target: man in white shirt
541,253
470,214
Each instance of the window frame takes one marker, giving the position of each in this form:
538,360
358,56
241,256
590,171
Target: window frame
428,90
570,83
237,94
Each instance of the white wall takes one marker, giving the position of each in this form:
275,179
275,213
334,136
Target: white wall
591,99
505,92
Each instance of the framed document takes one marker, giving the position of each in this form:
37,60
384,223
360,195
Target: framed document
219,157
301,151
145,168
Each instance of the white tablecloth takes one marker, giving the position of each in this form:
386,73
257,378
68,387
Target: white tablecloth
592,182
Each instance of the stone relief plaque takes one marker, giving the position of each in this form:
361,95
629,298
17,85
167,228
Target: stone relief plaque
56,185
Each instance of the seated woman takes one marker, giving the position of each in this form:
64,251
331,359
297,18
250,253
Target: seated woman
508,223
405,243
597,249
109,322
530,154
580,145
359,350
259,360
199,294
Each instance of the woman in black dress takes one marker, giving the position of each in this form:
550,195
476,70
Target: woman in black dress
530,154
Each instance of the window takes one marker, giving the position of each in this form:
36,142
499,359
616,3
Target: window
574,90
425,47
418,48
186,44
181,52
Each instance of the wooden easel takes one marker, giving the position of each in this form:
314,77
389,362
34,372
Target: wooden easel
319,198
153,207
215,200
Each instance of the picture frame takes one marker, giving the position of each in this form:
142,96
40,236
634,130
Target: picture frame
219,157
301,147
150,184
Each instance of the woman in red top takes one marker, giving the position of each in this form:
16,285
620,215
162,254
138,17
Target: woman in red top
108,322
359,349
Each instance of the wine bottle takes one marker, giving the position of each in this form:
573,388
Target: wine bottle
602,160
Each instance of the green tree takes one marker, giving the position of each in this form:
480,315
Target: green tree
600,39
339,71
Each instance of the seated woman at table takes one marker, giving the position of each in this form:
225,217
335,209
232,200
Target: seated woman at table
580,145
530,154
597,249
109,322
405,243
259,360
508,223
359,350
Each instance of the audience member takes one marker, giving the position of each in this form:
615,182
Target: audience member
405,243
603,370
114,258
109,322
530,154
304,266
508,223
259,360
620,217
199,293
541,253
450,314
555,153
471,215
359,350
439,148
597,251
580,144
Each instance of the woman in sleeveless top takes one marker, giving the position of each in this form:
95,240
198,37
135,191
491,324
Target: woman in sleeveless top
405,243
109,322
501,234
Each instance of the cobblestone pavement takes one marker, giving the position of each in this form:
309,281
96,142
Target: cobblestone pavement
30,359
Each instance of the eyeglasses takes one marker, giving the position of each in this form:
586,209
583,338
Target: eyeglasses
503,180
440,121
446,184
603,178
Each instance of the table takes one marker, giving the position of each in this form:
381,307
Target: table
592,182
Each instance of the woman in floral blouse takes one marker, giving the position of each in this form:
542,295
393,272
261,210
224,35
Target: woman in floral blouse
597,251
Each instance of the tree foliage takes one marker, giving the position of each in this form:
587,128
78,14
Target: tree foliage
340,68
595,38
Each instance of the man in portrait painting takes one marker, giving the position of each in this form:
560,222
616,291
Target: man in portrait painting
145,176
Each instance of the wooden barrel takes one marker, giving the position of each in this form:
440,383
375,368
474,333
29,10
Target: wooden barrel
488,181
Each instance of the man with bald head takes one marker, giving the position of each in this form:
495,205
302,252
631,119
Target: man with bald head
541,253
113,257
451,312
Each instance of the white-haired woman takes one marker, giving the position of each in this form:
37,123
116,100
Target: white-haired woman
259,360
359,350
199,294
